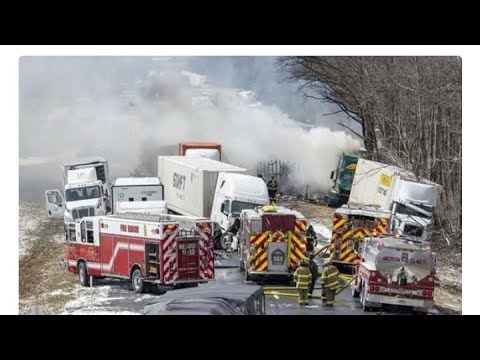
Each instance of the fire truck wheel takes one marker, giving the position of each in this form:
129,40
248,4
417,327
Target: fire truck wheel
355,293
82,274
137,281
364,302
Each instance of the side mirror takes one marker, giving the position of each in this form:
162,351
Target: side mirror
332,175
222,208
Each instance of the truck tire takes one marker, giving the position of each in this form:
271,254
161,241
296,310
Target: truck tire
355,293
137,281
364,302
226,241
83,274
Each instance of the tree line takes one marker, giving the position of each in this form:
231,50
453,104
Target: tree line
409,113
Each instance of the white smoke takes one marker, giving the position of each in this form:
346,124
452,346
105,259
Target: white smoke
249,132
74,106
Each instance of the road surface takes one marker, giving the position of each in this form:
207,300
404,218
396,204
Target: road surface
116,297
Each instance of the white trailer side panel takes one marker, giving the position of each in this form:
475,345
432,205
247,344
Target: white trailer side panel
189,183
379,184
365,182
136,193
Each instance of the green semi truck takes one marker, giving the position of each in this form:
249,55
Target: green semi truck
342,179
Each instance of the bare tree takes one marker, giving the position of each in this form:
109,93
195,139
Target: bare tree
409,110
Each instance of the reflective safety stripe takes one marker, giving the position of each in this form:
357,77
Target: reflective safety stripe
331,285
303,281
332,275
304,277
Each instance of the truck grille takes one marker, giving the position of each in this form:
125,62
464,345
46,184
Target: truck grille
413,230
82,212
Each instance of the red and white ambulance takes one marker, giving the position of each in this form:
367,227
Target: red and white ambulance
142,248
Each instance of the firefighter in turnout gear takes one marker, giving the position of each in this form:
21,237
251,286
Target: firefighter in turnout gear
330,283
303,277
314,271
272,189
311,239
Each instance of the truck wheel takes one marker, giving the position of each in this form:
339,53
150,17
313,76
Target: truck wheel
355,293
137,281
364,302
226,242
82,274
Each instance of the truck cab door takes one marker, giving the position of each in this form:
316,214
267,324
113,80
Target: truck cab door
55,203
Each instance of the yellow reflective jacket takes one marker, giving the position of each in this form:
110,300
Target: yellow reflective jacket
329,277
302,277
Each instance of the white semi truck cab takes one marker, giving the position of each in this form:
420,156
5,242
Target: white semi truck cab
205,188
410,200
412,208
85,191
235,193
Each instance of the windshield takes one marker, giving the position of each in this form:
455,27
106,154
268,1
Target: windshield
238,206
90,192
402,209
346,178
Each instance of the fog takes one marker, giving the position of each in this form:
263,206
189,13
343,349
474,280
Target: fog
131,109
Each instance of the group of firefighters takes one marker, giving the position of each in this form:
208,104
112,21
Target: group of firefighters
307,273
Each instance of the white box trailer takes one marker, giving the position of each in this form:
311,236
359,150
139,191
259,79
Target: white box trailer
380,185
98,163
141,191
189,183
411,200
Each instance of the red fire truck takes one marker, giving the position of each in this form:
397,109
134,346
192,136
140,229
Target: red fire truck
272,242
351,224
142,248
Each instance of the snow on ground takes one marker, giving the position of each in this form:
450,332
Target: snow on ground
106,297
30,219
322,230
32,216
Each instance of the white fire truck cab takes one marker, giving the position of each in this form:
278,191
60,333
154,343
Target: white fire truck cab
272,242
142,248
395,271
